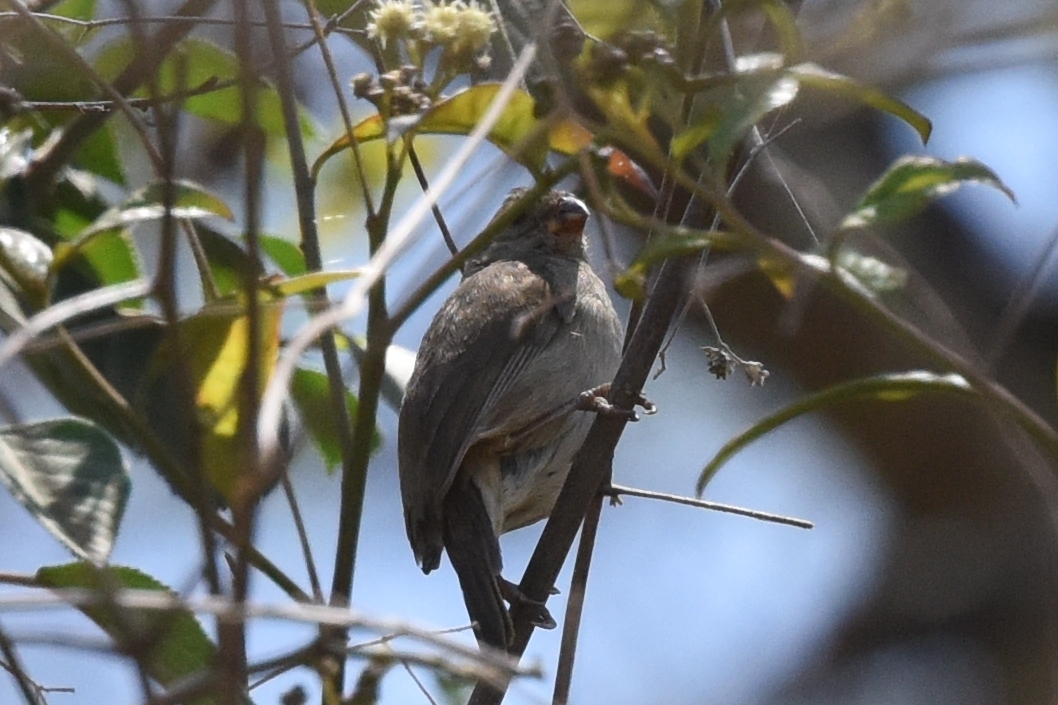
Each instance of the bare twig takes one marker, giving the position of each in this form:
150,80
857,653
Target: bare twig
593,461
396,241
13,664
617,490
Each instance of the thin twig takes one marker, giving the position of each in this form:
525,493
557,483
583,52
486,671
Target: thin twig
424,184
13,665
63,47
575,603
396,241
594,459
224,608
41,170
310,245
617,490
343,105
406,663
303,537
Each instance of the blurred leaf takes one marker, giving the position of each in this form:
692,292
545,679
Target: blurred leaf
754,99
216,346
99,155
781,275
911,183
229,264
11,314
287,256
459,114
197,62
779,16
219,358
677,242
877,277
172,644
103,242
815,76
313,280
70,475
83,10
310,391
607,18
14,148
628,120
110,254
888,388
25,261
74,9
190,200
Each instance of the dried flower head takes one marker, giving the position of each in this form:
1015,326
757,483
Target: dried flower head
393,20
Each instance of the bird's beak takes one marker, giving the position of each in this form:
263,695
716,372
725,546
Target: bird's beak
570,220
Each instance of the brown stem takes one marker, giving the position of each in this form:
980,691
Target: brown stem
593,461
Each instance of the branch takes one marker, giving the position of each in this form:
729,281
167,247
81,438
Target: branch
41,171
594,459
617,490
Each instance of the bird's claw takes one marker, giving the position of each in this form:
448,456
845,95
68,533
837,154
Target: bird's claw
612,494
595,400
538,614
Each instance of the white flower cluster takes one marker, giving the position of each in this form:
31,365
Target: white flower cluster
461,28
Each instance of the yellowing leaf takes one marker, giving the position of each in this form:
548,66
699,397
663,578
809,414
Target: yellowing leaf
518,131
216,342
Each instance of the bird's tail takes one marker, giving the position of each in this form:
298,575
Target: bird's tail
474,550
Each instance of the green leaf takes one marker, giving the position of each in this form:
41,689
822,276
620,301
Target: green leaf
911,183
229,264
70,475
74,9
310,391
25,260
514,132
784,22
217,354
754,99
609,17
171,643
876,276
287,256
14,148
888,388
815,76
194,63
82,10
676,242
104,243
99,155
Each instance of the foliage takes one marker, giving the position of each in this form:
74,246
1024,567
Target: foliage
643,116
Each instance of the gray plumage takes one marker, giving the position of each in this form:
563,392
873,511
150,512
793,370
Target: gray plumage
528,329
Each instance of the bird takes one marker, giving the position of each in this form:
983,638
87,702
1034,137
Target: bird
490,421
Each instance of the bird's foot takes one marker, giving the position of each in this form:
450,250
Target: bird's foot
595,400
613,495
539,616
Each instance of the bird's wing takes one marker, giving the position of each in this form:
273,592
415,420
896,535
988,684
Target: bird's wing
488,330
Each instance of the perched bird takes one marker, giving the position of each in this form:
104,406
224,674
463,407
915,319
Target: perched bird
490,422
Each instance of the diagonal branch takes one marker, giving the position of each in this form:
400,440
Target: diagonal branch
593,461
